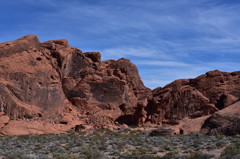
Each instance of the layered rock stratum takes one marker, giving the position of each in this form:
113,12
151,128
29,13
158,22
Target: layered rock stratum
51,87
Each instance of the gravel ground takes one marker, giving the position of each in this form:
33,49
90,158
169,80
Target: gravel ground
121,144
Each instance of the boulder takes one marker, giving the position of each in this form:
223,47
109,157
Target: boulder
3,119
94,56
225,121
191,126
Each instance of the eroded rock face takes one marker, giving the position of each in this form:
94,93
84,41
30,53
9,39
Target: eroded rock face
110,86
194,98
50,80
105,88
29,86
9,48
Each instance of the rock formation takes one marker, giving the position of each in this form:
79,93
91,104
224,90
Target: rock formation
225,121
55,82
52,87
194,98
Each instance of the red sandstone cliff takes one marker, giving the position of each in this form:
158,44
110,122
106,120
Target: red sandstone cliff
51,87
52,81
194,98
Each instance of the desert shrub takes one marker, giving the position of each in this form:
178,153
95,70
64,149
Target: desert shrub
16,156
148,157
230,151
199,155
66,157
23,137
220,136
220,144
171,155
137,156
92,154
167,147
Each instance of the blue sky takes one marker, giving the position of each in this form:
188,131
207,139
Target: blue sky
166,39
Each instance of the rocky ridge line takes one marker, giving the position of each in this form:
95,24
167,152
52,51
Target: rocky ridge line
51,87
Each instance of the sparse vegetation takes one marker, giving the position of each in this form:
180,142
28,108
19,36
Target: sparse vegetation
199,155
231,151
121,144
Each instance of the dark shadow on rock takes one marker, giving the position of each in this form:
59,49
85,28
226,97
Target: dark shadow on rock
125,119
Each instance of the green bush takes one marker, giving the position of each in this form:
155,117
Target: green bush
16,156
199,155
23,137
171,155
66,157
92,154
230,151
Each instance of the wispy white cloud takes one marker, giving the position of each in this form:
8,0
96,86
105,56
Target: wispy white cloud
166,39
116,53
161,76
162,63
